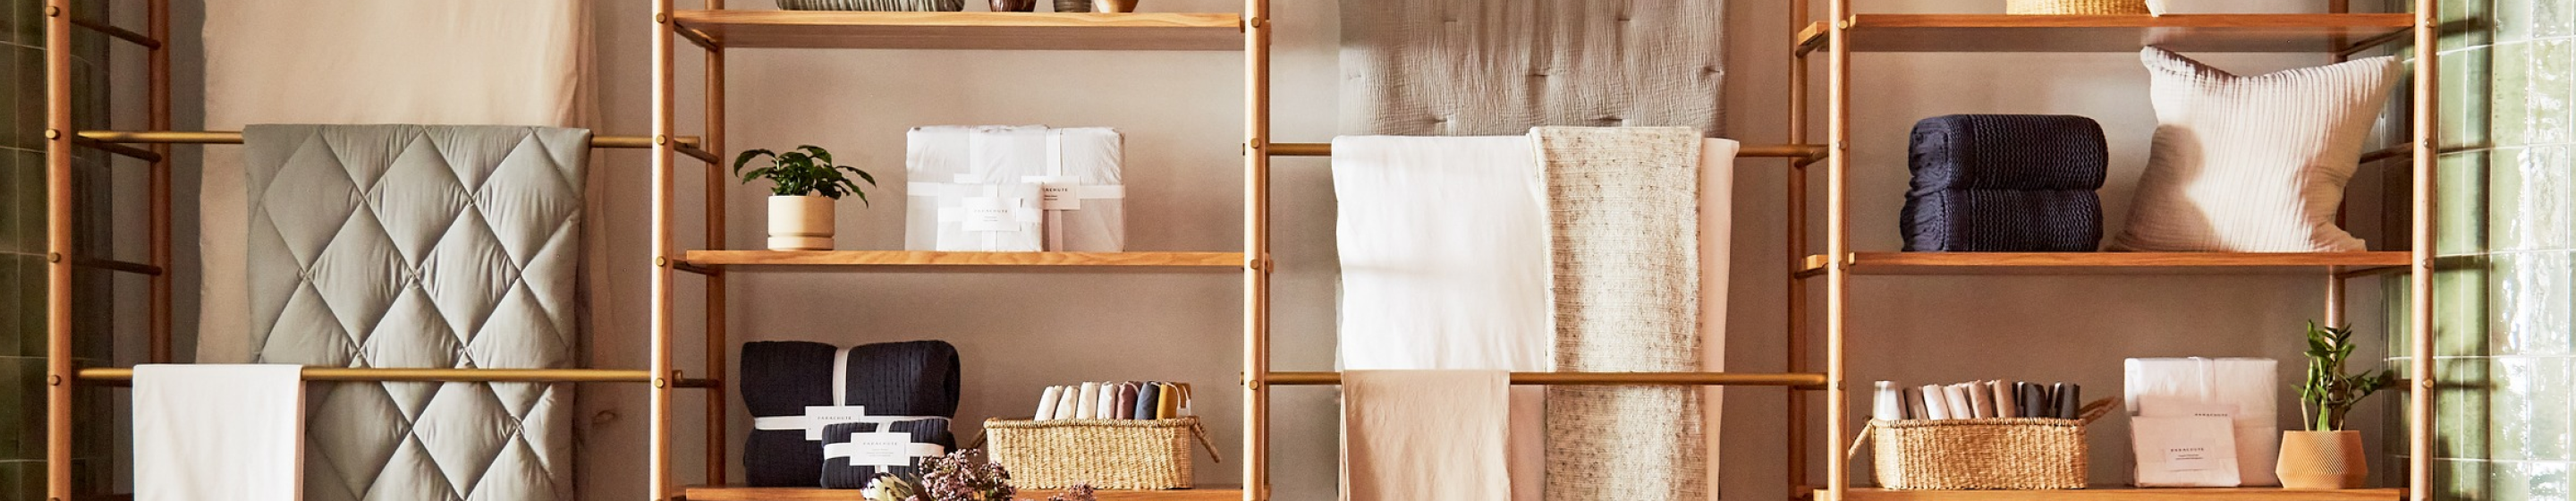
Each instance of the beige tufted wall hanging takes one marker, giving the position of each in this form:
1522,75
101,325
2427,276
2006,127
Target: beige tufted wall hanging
1499,67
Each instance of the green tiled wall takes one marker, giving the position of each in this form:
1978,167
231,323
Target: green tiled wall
22,249
2505,290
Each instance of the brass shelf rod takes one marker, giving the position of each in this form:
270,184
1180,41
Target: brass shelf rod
445,375
235,137
1803,152
1598,379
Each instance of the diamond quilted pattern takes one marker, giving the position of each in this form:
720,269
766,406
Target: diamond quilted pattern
413,246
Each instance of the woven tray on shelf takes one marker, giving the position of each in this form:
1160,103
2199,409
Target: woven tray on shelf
1105,453
2076,7
876,5
1982,454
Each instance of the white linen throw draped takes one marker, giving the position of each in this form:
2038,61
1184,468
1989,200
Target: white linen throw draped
1444,266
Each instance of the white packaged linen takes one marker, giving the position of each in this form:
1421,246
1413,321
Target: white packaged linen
2251,386
2184,451
992,217
1077,171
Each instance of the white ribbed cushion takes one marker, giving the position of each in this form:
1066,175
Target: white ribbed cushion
2252,164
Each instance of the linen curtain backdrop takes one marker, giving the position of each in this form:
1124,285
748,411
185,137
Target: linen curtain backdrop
451,62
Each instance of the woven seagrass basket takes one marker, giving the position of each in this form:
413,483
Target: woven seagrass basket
1982,454
1105,453
2076,7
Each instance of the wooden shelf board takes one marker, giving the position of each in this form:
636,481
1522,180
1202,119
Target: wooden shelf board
713,258
735,493
2112,263
963,30
2111,33
2127,494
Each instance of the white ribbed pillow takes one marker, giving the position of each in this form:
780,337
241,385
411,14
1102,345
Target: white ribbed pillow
2252,164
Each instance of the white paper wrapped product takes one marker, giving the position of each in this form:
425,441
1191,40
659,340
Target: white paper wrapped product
1077,171
2250,387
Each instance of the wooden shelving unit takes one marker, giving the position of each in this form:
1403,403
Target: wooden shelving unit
745,29
2126,494
1845,32
2181,33
719,32
730,493
725,258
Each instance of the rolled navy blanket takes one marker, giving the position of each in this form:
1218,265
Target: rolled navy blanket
781,379
852,456
2005,183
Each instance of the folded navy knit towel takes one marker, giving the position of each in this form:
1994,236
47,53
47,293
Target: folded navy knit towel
2005,183
781,378
852,458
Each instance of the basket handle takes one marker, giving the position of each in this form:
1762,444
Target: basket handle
1201,432
1858,440
2094,411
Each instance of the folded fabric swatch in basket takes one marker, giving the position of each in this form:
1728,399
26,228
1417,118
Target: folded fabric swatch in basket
2005,183
855,453
795,389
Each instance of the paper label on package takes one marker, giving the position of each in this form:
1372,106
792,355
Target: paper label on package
880,449
2184,451
989,214
2190,459
819,416
1057,192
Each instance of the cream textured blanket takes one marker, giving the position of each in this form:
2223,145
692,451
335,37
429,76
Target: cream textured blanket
1623,247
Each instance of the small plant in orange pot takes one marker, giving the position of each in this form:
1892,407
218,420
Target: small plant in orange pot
2327,456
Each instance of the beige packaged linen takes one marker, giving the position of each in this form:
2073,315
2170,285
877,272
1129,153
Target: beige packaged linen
2184,451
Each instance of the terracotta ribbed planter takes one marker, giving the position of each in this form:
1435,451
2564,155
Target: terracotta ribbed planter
2323,460
800,223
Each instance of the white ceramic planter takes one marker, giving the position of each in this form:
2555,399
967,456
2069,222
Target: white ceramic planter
800,223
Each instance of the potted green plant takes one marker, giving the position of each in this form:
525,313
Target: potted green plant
2325,455
803,185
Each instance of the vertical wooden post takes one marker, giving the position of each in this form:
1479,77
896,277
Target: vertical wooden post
658,414
1797,237
2419,404
713,141
1838,245
1256,249
58,250
157,63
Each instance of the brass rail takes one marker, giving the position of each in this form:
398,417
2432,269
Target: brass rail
446,375
1805,152
1598,379
235,137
